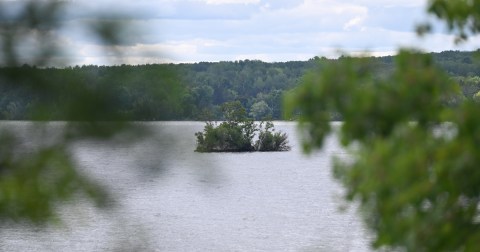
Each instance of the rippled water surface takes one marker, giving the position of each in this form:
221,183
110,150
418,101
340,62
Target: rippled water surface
170,198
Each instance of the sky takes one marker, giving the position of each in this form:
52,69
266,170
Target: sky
175,31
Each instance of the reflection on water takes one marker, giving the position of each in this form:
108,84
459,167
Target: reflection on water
169,198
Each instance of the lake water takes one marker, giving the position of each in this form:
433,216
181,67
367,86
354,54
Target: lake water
170,198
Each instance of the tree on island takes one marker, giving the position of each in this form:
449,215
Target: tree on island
237,132
268,140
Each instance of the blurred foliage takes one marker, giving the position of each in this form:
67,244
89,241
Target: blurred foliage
414,144
37,170
461,16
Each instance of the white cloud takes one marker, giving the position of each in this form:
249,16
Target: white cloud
231,1
270,30
391,3
330,8
354,22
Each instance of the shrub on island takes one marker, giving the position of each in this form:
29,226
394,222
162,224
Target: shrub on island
237,133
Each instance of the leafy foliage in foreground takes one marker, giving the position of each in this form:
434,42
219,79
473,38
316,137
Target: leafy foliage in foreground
236,134
37,170
410,178
414,167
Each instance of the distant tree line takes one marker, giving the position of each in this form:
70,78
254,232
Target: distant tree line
195,91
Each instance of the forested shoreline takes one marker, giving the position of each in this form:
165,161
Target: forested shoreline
192,91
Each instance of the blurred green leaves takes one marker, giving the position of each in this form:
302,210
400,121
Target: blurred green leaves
461,16
371,106
30,22
37,171
414,144
32,185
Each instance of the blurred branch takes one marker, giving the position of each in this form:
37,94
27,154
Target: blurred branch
34,180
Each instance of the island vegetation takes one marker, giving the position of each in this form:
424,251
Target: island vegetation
237,133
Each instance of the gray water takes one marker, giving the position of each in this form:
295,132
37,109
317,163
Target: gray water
169,198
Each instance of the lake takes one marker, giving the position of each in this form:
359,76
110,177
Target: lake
170,198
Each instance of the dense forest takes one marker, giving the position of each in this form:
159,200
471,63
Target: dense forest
192,91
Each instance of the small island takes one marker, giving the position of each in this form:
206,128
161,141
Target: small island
237,133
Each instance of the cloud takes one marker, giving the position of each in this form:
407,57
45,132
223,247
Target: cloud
160,9
270,30
388,3
231,1
354,22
